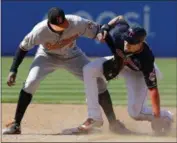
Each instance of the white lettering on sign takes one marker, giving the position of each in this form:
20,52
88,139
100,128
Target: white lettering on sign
131,16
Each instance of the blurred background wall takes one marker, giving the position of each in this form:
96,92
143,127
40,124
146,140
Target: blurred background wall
158,18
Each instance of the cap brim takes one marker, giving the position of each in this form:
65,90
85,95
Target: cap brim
60,27
130,40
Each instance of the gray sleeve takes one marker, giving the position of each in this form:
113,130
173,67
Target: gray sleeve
30,40
89,28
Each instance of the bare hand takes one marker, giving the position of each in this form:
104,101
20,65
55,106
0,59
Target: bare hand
101,36
11,79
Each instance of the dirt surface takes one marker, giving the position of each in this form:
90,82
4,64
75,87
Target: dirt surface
41,121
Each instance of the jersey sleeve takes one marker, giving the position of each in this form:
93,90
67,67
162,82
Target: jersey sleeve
122,22
89,28
150,74
30,40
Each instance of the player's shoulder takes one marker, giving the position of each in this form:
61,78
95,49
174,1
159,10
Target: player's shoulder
147,52
40,27
147,48
74,19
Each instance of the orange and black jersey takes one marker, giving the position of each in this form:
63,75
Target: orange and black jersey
141,61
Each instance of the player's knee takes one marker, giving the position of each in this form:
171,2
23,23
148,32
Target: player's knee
31,86
134,116
134,112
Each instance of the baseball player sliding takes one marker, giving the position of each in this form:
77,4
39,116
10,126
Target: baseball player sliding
56,37
134,61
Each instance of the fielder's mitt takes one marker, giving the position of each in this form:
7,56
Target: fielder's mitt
112,67
161,126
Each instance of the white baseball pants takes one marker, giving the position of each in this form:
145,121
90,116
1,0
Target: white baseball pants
44,64
136,87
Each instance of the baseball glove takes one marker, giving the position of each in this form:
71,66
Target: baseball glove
161,126
112,67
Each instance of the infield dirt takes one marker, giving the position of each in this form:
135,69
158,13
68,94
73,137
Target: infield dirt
42,121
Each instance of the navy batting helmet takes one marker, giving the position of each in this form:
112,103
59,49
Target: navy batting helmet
134,35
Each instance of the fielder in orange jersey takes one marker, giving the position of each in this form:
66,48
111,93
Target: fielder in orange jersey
56,37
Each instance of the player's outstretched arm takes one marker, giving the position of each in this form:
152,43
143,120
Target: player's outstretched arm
151,81
18,58
101,36
115,20
30,40
155,101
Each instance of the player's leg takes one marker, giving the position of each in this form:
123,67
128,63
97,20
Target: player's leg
96,92
137,96
41,66
92,72
75,66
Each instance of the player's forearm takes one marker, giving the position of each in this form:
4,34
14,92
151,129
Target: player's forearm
115,20
18,58
112,23
155,100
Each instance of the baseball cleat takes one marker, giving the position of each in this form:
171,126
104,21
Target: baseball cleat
11,128
119,127
91,123
84,128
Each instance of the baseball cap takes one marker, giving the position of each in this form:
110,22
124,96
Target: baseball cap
134,35
57,20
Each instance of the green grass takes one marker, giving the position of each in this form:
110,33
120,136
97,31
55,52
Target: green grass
63,87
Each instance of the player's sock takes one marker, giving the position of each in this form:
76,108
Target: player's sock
23,102
106,104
